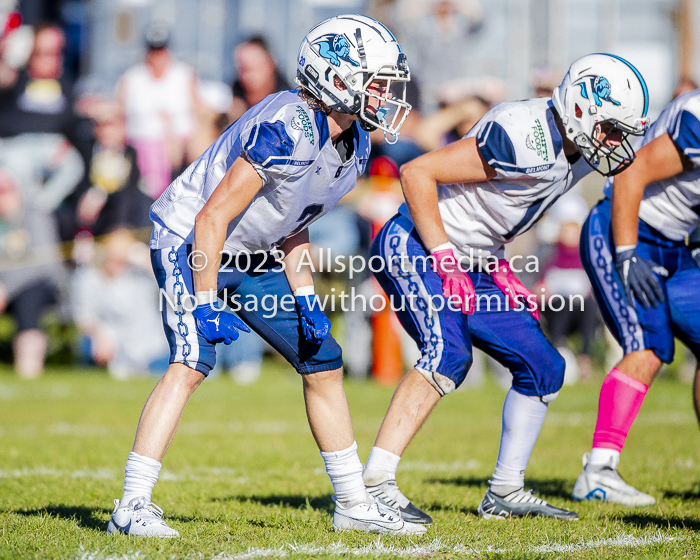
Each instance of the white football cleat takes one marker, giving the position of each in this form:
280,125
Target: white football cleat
140,518
604,483
373,517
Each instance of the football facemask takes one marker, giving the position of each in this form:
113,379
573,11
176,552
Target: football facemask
608,150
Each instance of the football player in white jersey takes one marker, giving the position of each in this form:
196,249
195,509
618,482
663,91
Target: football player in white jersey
646,281
476,195
234,224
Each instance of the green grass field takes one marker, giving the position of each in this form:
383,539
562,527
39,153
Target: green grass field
243,478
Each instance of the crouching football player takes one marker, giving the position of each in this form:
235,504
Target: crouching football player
282,165
480,193
646,281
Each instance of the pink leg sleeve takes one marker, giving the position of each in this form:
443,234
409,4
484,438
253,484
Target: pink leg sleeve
621,397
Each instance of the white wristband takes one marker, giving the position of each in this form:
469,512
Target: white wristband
206,297
622,248
304,291
442,247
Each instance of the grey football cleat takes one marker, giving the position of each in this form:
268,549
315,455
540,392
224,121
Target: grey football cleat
387,492
604,483
520,504
373,517
140,518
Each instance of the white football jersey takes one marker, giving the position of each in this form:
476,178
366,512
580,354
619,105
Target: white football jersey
303,176
520,140
671,206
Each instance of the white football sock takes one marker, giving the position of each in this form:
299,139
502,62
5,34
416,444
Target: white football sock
345,471
602,456
140,476
381,465
521,424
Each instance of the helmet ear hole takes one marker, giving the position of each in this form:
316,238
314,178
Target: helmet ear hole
579,113
338,83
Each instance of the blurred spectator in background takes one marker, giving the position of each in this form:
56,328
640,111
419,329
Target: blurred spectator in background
544,79
437,35
339,232
684,85
16,42
462,103
243,360
9,16
115,306
39,98
110,197
452,122
562,274
214,101
49,167
158,99
30,264
257,75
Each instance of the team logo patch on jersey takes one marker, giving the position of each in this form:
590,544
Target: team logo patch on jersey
304,123
335,48
537,140
601,91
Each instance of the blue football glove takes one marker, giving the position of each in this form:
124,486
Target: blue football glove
217,326
638,279
314,324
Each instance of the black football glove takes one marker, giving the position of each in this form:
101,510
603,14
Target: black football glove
638,279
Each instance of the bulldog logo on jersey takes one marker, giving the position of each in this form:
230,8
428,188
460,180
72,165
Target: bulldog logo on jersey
335,48
601,91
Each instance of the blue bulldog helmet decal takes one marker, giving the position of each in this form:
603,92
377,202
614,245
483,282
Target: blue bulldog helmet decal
335,48
601,91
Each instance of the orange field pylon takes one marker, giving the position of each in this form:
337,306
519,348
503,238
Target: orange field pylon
387,362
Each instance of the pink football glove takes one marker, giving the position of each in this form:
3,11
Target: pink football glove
455,282
509,284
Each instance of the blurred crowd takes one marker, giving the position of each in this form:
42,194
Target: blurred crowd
80,167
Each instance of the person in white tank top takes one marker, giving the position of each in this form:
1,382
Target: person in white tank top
157,97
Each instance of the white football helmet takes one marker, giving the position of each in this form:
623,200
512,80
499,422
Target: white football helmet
603,89
340,57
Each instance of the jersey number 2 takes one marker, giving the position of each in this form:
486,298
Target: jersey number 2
307,216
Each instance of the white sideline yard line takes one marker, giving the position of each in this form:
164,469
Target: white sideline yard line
201,473
186,428
622,540
271,428
423,466
379,548
204,473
